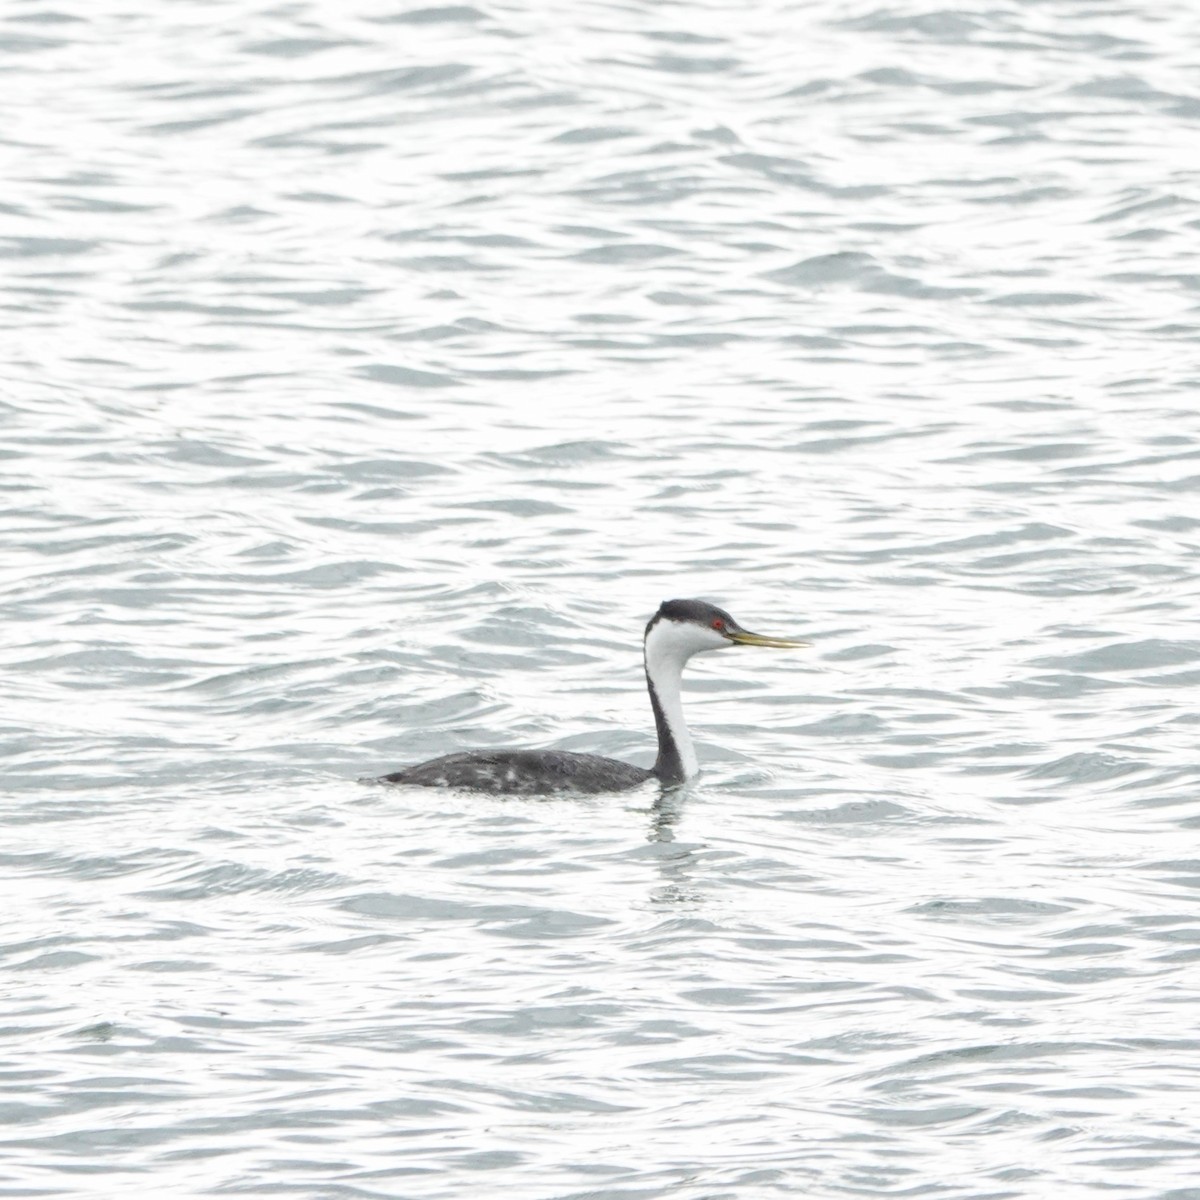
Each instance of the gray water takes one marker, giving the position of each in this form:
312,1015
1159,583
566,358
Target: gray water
371,374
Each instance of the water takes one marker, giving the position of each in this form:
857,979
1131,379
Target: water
371,376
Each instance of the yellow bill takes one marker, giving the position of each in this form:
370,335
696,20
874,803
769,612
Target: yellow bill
744,638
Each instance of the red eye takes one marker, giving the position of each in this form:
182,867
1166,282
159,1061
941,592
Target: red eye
718,624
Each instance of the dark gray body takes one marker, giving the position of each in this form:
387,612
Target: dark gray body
523,773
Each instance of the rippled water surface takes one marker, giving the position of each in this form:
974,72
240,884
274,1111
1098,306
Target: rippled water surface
373,371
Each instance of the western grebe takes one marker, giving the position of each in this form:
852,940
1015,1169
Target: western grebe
678,630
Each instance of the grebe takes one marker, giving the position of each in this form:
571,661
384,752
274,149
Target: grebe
678,630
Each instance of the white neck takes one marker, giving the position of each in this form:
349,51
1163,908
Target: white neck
668,646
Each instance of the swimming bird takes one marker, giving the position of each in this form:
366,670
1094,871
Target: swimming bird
679,630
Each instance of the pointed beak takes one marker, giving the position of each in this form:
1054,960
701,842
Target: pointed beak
744,638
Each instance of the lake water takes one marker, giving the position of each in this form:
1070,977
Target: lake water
372,372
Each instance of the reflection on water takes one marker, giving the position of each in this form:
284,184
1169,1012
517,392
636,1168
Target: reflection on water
665,815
